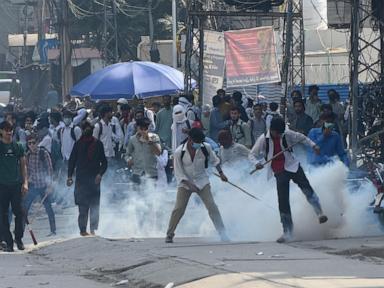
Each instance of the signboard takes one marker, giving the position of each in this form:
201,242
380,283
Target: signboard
251,57
214,60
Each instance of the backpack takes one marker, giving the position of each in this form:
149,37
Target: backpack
61,131
101,129
203,149
285,146
197,118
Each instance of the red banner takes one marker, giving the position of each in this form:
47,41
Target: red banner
251,57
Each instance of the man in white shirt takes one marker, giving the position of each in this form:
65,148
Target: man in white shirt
276,148
190,163
103,131
69,134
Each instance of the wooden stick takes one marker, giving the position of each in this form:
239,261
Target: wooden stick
241,189
277,155
29,223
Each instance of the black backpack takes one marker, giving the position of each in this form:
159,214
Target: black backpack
101,129
60,134
203,149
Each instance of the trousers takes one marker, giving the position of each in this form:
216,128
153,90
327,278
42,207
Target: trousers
11,195
182,199
33,192
93,210
282,181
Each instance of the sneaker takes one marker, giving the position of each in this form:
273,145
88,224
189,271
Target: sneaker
51,234
286,237
169,239
20,244
84,234
93,233
323,219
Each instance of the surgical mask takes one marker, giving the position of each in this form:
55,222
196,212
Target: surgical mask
67,121
196,146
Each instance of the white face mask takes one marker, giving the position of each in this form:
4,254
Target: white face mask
178,118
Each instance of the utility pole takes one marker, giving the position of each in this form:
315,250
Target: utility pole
65,50
110,32
150,20
174,36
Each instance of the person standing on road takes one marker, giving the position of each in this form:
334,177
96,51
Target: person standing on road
142,150
13,185
89,160
190,163
285,167
40,172
164,122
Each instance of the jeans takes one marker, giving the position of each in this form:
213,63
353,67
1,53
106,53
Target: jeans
33,192
282,181
11,195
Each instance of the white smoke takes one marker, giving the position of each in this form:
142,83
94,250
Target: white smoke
146,213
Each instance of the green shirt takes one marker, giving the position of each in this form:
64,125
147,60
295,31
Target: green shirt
10,154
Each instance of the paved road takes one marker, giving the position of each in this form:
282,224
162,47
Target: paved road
195,262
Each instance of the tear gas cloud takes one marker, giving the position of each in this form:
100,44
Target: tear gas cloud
146,213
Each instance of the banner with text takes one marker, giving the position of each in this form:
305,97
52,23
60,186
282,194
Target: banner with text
251,57
214,61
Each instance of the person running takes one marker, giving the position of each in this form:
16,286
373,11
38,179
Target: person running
285,167
88,158
13,186
40,172
190,163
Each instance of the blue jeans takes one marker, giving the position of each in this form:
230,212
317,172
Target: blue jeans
33,192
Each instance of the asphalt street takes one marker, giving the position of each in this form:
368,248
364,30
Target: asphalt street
72,261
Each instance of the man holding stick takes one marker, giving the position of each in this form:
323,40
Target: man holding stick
190,163
40,172
13,185
285,167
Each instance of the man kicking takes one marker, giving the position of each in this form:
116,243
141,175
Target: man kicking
285,167
190,164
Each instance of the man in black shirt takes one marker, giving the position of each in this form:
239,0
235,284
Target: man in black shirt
90,162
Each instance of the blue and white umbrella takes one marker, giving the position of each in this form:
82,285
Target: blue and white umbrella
127,79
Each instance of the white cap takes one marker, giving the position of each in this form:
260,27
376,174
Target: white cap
122,101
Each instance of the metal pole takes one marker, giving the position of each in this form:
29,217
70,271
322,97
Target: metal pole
150,19
65,51
287,50
355,21
174,36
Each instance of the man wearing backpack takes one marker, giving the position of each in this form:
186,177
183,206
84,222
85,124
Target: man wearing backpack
240,130
103,131
68,135
13,185
190,163
285,168
40,172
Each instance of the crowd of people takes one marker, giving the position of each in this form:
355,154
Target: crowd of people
162,143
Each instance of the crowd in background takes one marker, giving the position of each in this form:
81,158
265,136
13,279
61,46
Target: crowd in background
144,136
